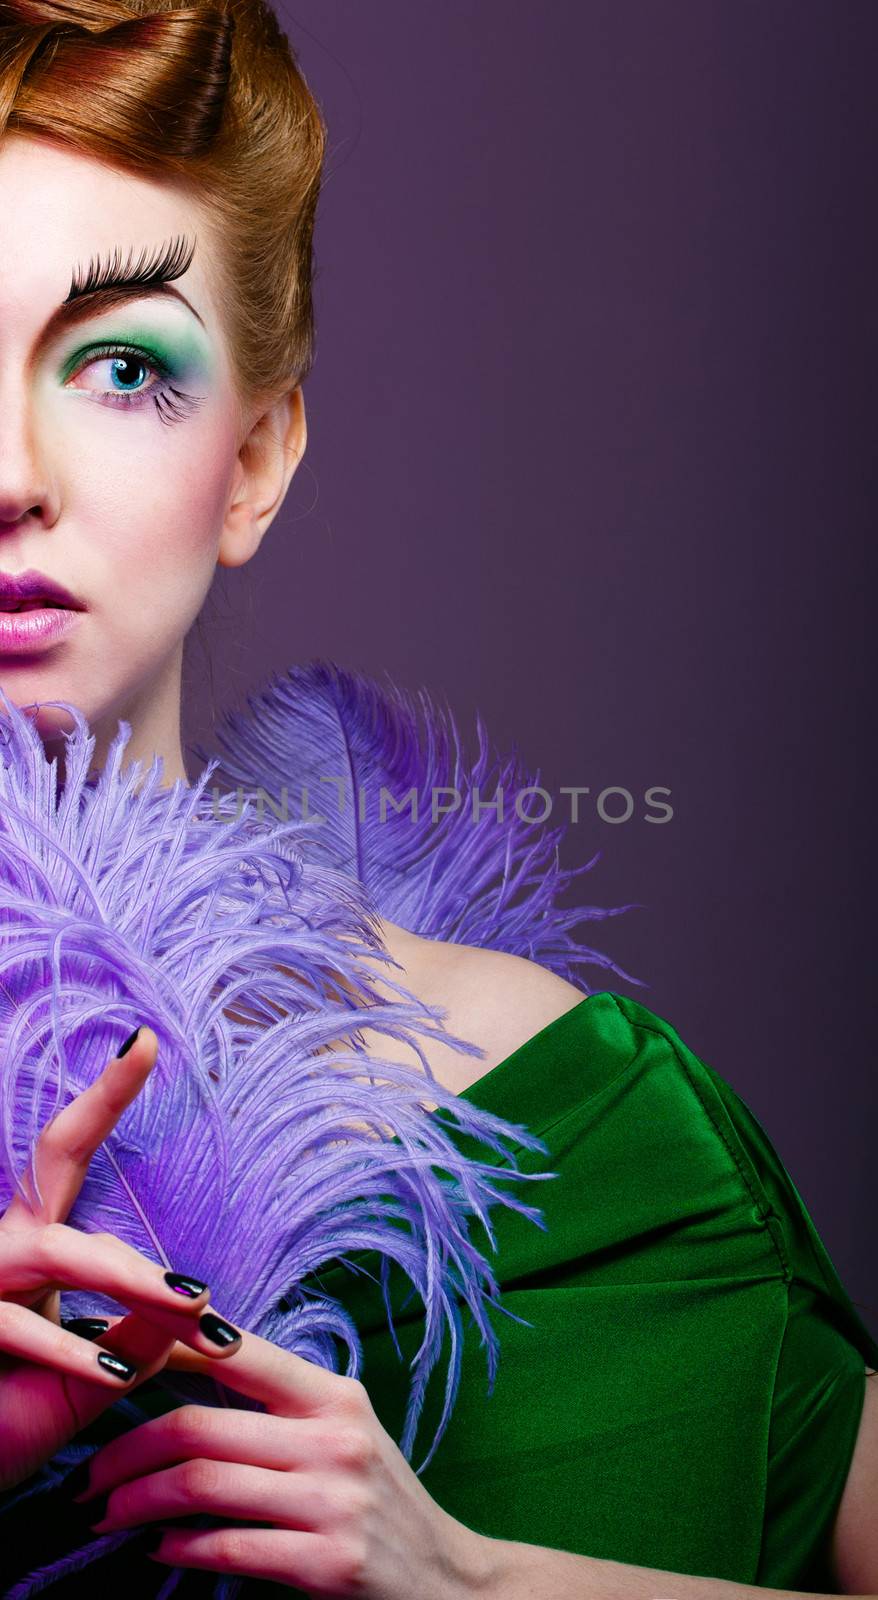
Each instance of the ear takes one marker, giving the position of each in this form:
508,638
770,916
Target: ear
267,459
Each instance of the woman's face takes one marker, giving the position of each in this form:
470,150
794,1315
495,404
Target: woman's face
121,471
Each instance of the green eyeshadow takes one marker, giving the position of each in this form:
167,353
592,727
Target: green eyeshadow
184,354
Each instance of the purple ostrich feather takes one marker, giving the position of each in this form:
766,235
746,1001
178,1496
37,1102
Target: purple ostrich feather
242,942
399,808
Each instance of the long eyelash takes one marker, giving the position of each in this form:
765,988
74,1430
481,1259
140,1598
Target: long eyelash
170,261
171,404
174,410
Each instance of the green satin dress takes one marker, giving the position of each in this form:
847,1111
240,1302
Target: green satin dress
688,1391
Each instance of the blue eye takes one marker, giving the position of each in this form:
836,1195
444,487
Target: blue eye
129,369
119,363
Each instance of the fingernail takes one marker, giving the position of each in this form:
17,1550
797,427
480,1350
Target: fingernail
85,1327
120,1369
191,1287
128,1043
216,1330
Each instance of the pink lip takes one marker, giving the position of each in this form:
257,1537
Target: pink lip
26,632
17,587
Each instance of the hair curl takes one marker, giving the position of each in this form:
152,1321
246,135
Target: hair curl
210,95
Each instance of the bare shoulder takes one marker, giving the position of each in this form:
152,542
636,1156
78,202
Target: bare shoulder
490,998
855,1535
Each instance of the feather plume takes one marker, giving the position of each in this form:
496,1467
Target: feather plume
243,943
402,810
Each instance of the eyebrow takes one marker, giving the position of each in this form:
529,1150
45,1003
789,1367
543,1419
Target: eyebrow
108,282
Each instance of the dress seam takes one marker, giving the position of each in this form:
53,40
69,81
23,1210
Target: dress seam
767,1214
757,1574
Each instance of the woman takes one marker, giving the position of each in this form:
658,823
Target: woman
689,1393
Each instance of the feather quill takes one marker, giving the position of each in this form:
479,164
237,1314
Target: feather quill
242,943
403,811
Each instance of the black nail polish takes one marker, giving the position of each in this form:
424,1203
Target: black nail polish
216,1330
152,1540
118,1367
85,1327
128,1043
191,1287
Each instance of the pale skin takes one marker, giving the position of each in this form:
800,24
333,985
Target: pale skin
134,516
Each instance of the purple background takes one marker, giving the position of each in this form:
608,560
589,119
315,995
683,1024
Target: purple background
592,445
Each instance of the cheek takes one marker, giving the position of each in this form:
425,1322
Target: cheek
146,498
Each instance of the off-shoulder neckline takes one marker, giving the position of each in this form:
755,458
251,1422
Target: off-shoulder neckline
550,1070
571,1017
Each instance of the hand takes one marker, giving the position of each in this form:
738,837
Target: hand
52,1383
342,1512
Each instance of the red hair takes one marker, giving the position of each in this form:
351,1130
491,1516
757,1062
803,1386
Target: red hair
211,96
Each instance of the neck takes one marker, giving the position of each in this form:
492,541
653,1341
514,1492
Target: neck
153,714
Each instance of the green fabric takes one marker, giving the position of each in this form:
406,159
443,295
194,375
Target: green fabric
688,1393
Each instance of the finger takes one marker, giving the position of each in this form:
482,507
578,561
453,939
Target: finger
55,1256
180,1359
302,1560
145,1342
33,1339
199,1339
222,1489
130,1351
287,1384
216,1434
56,1404
67,1144
183,1358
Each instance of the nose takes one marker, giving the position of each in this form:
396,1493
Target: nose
27,492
